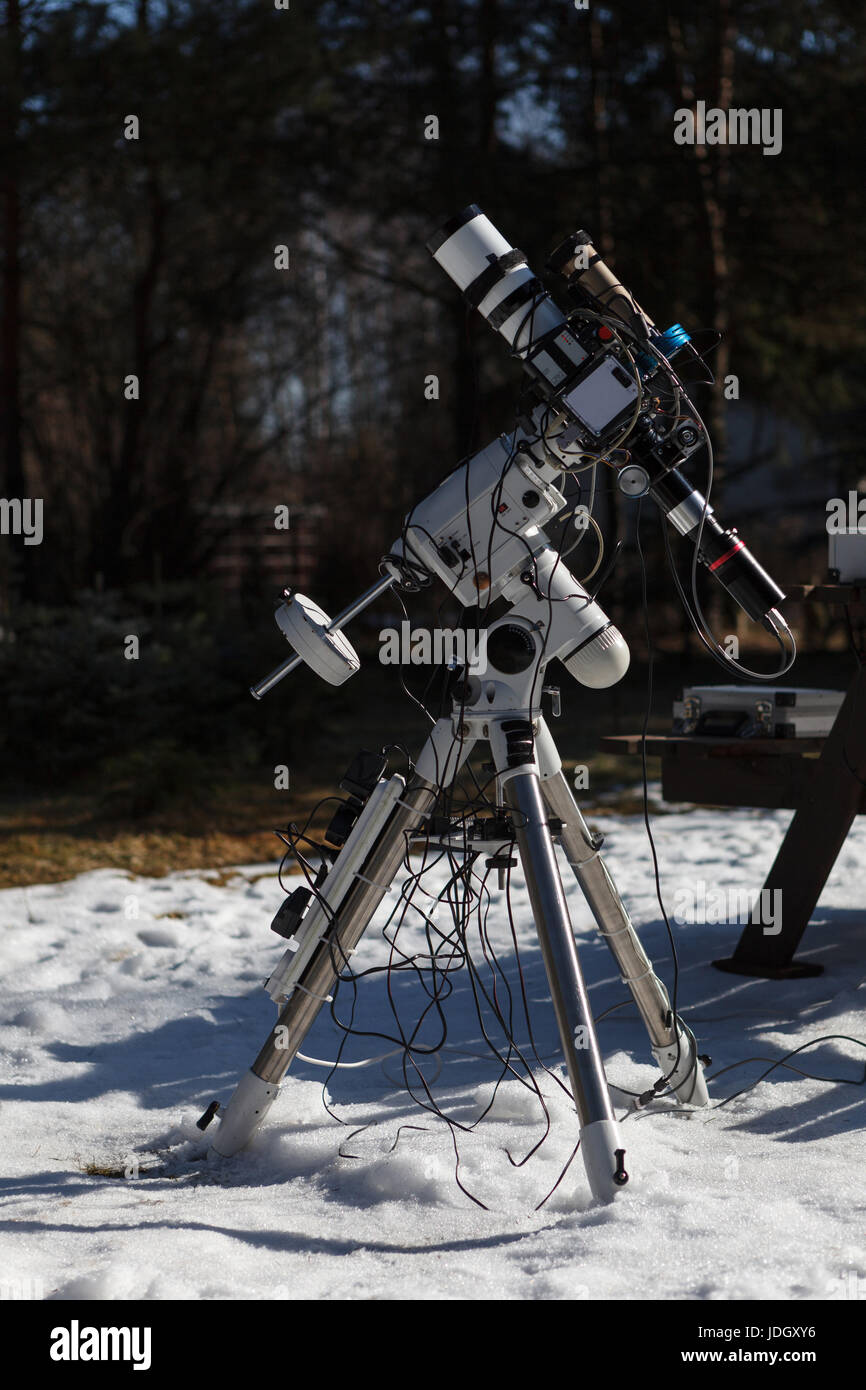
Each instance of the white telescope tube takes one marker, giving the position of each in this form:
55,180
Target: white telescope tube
513,301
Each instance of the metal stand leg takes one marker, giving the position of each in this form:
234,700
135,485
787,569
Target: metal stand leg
599,1134
439,762
259,1087
673,1046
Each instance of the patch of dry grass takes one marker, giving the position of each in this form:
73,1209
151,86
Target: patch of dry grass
48,838
51,837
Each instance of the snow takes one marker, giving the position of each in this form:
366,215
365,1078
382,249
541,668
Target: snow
128,1004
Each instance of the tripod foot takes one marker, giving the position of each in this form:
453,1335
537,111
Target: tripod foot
682,1066
244,1113
603,1155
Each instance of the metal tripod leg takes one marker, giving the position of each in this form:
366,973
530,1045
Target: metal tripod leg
599,1134
258,1088
673,1046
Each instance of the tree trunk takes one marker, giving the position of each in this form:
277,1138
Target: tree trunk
131,487
714,186
603,240
713,177
12,481
488,93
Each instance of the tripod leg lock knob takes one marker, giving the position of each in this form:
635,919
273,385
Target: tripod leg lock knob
208,1115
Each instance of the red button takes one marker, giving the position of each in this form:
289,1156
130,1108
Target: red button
605,333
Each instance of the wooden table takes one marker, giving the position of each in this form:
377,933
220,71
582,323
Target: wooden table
822,780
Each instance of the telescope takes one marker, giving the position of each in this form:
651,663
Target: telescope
604,392
607,378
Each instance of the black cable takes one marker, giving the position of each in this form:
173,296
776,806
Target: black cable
645,788
780,1062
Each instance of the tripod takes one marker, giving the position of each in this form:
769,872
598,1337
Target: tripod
541,809
602,393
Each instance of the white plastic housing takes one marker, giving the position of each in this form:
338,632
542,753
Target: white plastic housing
480,510
244,1113
602,662
686,1077
570,618
598,1144
305,625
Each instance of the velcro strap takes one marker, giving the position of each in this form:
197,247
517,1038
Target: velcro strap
481,286
512,302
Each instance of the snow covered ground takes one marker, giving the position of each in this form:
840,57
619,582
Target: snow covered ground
129,1003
